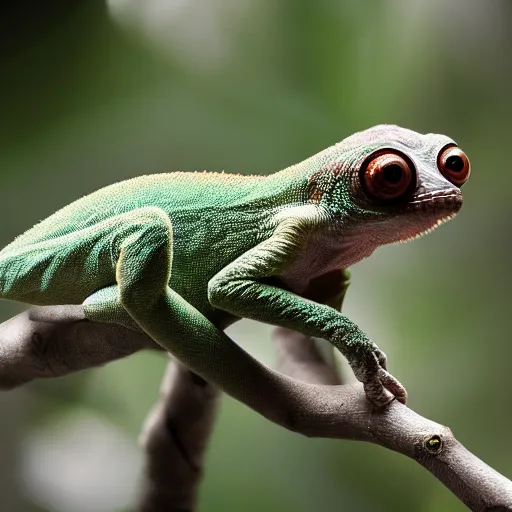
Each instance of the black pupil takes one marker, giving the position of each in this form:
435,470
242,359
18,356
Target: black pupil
393,173
455,163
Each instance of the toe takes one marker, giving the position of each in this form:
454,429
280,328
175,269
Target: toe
393,386
377,393
381,357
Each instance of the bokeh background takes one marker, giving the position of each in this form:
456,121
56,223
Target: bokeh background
92,92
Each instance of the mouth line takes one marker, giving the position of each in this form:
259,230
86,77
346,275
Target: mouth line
435,224
443,203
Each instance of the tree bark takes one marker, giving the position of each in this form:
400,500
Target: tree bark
175,438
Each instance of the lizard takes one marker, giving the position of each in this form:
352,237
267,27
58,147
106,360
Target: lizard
180,256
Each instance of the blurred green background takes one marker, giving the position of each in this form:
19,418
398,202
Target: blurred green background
94,92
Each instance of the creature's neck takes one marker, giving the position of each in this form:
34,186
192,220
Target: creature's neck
328,251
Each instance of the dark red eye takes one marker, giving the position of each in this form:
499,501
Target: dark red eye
387,176
454,165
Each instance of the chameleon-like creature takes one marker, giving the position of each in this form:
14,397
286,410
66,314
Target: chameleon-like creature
181,256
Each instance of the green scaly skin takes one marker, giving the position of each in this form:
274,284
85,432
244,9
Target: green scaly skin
182,255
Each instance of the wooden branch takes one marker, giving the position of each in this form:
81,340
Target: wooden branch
52,341
175,437
47,342
343,412
35,348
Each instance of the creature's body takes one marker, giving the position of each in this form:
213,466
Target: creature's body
74,252
182,255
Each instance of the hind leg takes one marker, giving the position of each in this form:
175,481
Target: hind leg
51,341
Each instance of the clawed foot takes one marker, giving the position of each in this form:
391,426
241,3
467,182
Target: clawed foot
380,387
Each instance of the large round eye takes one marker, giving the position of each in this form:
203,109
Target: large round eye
454,165
387,176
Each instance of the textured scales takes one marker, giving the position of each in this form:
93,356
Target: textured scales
181,255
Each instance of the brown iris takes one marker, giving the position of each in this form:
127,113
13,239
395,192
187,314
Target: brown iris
454,165
387,176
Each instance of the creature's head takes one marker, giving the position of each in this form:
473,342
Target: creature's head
396,183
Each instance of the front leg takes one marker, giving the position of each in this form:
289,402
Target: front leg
239,289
